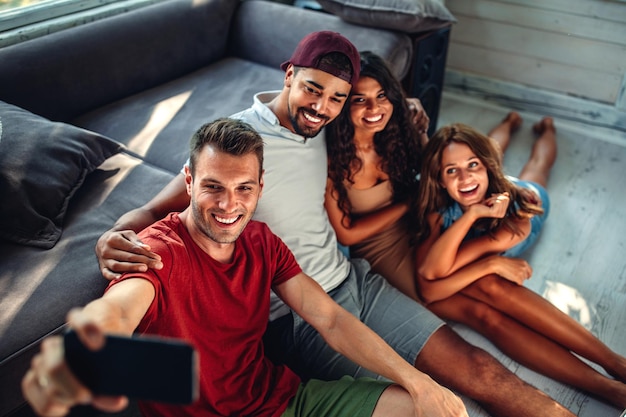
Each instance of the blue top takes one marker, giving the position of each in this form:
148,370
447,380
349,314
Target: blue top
452,213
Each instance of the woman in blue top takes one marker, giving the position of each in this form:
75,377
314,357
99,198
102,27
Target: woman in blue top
469,209
470,219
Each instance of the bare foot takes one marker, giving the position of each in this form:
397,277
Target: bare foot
514,120
547,123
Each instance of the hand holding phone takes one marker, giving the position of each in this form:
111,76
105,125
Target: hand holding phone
140,367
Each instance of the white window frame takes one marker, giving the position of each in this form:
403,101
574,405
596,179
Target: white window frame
28,22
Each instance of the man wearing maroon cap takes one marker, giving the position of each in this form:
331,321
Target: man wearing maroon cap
317,82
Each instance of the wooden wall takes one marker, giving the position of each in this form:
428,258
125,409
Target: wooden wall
562,56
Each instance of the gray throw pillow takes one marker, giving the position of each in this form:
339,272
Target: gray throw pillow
42,164
402,15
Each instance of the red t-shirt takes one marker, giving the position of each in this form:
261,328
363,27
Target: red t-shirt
223,310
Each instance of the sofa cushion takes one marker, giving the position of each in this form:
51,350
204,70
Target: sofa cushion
257,35
38,288
42,164
404,15
157,124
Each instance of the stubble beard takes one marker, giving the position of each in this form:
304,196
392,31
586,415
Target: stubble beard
304,131
204,226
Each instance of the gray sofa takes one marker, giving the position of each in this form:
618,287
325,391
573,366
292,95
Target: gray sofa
95,120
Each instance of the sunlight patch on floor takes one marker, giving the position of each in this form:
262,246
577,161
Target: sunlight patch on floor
570,301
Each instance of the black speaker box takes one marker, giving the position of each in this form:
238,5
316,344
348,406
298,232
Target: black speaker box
425,77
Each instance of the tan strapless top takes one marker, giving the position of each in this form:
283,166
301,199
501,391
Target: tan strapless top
370,199
388,252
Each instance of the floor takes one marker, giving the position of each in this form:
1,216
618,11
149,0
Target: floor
579,262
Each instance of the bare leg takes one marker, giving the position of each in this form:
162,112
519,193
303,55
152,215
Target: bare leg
538,314
471,371
394,401
502,133
530,348
543,154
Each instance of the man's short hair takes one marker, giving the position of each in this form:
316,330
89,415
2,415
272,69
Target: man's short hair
230,136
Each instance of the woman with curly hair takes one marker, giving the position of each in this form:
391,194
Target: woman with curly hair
374,156
374,152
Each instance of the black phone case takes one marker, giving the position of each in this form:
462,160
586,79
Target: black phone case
144,368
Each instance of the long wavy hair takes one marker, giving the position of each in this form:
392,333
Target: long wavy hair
434,198
398,145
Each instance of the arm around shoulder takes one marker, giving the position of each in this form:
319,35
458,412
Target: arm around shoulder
120,250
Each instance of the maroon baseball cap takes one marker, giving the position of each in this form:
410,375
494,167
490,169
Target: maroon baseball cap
316,45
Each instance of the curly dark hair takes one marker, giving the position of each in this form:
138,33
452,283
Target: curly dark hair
398,145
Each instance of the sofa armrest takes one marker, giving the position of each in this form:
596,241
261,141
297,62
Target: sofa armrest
267,32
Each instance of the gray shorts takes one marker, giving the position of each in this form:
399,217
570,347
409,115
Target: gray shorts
403,323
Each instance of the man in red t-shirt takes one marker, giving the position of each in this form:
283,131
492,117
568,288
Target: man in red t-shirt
214,293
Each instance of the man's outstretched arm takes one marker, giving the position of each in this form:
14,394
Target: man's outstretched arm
49,385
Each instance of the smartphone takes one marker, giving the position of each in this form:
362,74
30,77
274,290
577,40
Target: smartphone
140,367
